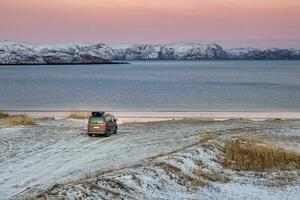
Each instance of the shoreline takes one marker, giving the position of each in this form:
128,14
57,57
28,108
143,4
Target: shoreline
161,116
88,63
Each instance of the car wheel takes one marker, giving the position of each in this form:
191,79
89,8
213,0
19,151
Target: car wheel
107,133
116,131
90,135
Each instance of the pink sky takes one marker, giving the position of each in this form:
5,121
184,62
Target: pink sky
230,22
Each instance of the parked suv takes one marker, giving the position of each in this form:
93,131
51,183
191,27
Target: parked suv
102,124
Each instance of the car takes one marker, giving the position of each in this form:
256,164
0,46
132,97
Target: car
102,124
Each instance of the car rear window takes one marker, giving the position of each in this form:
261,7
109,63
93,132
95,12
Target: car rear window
96,120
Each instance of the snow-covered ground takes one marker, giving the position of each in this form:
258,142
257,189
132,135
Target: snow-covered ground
155,160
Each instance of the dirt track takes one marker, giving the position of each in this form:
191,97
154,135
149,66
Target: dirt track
58,150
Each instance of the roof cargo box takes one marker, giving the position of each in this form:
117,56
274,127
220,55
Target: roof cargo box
98,114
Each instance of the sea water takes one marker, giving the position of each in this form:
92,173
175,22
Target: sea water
153,86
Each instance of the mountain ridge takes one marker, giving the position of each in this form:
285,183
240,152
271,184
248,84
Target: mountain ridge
100,53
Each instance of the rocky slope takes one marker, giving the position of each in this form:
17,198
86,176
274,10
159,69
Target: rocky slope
21,53
263,54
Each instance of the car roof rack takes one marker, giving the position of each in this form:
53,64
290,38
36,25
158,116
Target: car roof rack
98,114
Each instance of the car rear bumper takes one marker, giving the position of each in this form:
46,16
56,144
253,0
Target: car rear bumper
97,133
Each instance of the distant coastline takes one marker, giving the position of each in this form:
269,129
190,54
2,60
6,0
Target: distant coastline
103,63
16,53
161,116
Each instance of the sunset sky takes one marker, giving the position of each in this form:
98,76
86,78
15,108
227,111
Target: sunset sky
261,23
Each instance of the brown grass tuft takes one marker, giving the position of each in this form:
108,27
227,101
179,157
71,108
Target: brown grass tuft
176,174
213,176
19,120
79,115
3,115
206,137
197,182
256,155
115,183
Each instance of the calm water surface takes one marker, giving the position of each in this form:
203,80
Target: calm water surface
155,86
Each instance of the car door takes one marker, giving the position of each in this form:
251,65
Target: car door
109,122
114,121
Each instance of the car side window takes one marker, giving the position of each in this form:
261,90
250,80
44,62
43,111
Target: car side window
108,118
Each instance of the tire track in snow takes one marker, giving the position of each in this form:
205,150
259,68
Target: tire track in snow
56,151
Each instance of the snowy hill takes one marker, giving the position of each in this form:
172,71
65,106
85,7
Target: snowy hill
263,54
76,53
20,53
176,51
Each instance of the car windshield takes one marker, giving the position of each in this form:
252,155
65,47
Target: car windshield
96,120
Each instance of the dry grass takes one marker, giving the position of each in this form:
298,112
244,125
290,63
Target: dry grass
256,155
206,137
79,115
3,115
115,183
213,176
197,182
19,120
176,174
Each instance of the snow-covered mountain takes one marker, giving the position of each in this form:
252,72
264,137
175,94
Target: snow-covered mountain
20,53
263,54
75,53
176,51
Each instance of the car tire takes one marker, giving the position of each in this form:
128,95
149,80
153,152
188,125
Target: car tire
107,133
116,131
90,135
